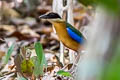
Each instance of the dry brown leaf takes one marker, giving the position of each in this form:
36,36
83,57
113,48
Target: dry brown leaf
44,30
27,30
7,11
2,53
8,28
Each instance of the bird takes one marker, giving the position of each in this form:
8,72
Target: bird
67,34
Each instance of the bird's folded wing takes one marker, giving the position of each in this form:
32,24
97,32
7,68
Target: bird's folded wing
74,33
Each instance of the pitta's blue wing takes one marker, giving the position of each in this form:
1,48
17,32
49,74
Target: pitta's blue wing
75,34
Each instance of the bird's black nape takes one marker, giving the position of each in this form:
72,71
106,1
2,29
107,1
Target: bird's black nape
50,15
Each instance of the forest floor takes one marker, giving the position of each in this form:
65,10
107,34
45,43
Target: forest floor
21,27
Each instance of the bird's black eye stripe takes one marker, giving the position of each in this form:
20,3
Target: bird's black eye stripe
53,15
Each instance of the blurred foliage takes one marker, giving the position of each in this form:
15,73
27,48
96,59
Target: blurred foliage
39,61
64,73
38,68
21,78
35,64
112,68
87,2
39,51
27,66
110,5
31,4
8,54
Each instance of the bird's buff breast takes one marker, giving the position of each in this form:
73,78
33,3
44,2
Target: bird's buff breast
64,36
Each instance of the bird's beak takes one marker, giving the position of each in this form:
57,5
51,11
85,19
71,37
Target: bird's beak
43,16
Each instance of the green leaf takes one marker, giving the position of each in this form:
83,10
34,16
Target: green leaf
40,61
37,67
64,73
27,66
8,54
22,78
44,61
39,51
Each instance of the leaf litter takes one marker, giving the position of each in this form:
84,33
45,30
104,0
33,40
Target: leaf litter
35,54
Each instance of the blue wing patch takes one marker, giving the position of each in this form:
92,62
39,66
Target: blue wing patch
74,36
